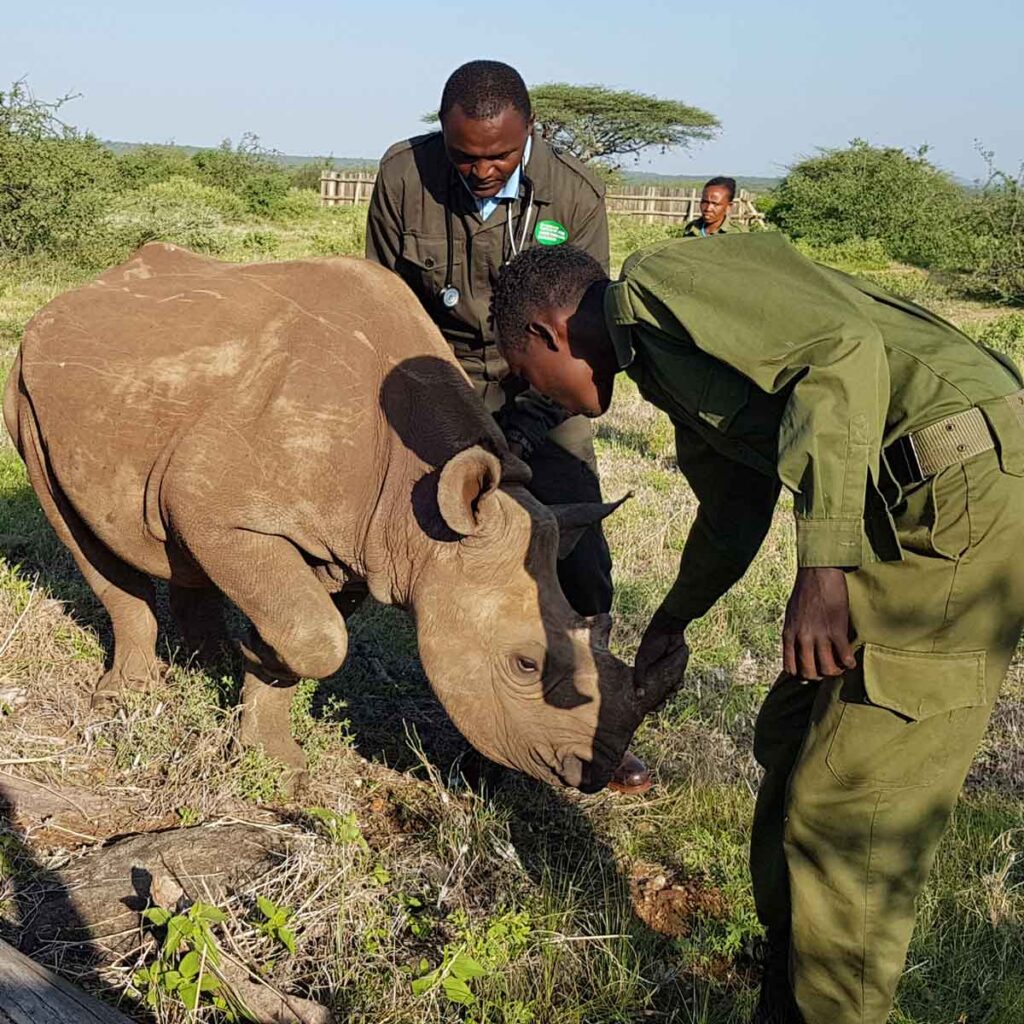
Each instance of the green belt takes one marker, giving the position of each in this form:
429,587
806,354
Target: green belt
923,453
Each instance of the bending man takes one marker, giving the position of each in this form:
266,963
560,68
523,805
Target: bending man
902,441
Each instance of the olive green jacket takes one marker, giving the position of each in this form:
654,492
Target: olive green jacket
775,369
406,233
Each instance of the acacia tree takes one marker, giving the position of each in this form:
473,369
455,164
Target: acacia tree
605,126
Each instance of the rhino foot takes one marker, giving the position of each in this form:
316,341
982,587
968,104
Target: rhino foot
116,682
265,722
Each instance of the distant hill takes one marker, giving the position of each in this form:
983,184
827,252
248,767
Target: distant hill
349,163
751,183
338,163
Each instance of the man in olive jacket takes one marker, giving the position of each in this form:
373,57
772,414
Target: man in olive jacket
449,208
902,442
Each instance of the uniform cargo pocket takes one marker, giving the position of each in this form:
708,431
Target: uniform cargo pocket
932,518
429,254
904,715
1005,418
724,394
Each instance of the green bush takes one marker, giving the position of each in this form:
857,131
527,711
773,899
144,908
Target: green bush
308,175
147,165
55,182
993,256
248,171
178,210
918,212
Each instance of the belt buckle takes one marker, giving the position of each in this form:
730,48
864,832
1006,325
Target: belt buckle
908,470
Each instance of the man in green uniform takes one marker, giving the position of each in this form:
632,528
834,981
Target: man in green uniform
902,441
449,208
715,200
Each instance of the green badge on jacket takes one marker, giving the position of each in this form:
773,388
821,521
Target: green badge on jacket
550,232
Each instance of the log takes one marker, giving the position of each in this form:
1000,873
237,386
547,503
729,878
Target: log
30,994
96,899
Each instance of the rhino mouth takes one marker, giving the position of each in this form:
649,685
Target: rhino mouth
588,775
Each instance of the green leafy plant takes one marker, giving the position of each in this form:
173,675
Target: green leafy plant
275,923
185,967
411,908
341,828
454,974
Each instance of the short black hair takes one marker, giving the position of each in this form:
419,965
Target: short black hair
720,182
484,88
541,277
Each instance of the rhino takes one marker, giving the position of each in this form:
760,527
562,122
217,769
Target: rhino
293,436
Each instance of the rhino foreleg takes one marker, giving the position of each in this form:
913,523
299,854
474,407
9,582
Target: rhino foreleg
298,633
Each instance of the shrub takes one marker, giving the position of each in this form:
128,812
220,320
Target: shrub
917,211
178,210
993,255
55,182
307,176
147,165
248,171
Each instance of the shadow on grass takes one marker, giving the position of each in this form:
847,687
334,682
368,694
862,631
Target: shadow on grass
24,885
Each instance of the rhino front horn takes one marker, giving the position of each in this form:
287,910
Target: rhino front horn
576,518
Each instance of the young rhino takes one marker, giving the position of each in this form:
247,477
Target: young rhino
288,435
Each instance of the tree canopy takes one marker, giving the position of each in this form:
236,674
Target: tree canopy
595,123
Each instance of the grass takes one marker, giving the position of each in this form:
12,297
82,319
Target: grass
596,909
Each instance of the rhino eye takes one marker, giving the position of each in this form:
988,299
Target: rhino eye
525,665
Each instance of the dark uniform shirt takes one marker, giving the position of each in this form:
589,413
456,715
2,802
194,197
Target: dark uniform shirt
694,228
775,369
406,232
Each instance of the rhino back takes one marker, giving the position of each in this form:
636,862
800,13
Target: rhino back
264,377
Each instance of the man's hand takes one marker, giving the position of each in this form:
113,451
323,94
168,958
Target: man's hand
663,653
816,636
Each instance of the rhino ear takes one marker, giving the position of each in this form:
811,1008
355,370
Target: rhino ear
575,519
465,482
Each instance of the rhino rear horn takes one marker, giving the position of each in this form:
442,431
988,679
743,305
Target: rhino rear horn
576,518
466,481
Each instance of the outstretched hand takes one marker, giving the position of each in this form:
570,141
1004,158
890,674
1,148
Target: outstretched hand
663,654
816,635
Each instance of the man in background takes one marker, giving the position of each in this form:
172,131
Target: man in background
715,200
449,209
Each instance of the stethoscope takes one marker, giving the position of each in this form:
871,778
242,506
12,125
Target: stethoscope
449,294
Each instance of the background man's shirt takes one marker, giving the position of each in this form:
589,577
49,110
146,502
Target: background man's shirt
776,370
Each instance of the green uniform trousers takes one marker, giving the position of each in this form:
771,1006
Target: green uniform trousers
862,771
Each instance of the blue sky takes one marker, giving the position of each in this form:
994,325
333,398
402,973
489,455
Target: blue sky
348,79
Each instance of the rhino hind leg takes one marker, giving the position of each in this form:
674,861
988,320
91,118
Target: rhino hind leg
125,593
297,631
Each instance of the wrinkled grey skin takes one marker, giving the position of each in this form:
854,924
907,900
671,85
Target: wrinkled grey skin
290,434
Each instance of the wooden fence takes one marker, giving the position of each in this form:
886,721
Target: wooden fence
652,203
655,203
